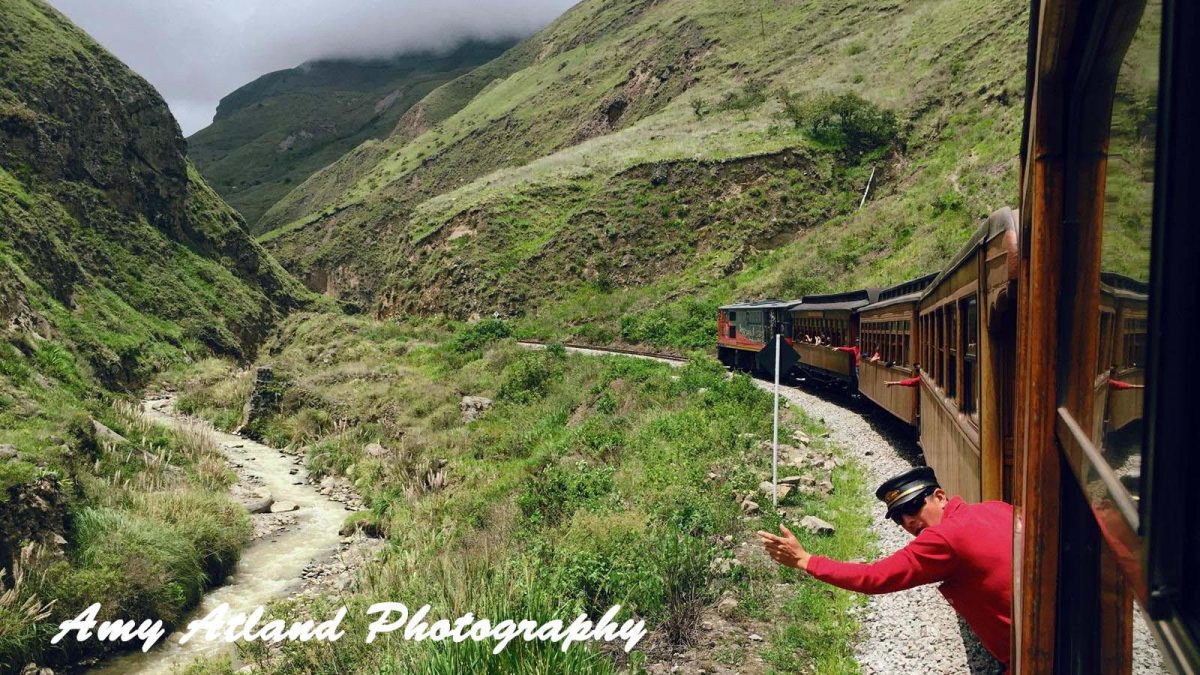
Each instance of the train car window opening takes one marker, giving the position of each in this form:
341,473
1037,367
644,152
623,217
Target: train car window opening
940,338
732,332
971,355
951,354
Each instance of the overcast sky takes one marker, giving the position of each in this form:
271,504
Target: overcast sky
196,51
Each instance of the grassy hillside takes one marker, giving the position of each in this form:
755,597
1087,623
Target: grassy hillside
589,482
656,158
116,260
276,131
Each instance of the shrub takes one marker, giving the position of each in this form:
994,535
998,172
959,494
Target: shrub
752,95
528,377
845,121
616,558
478,335
557,492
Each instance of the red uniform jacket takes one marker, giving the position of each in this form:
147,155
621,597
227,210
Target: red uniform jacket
853,350
970,552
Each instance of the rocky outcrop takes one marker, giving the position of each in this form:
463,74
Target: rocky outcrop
263,403
32,511
473,407
101,206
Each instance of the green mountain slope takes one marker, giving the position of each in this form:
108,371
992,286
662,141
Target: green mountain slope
590,183
116,246
116,261
276,131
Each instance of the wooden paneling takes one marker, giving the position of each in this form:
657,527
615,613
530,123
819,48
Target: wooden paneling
825,358
899,401
950,444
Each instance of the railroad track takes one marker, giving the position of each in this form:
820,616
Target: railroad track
658,356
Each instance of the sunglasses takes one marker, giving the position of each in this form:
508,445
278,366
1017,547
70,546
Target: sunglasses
912,508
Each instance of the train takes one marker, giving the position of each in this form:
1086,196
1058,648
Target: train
928,335
1048,363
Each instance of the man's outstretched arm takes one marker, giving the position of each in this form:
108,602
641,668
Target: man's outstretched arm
926,559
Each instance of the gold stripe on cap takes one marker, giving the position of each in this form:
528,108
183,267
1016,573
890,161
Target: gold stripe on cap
893,496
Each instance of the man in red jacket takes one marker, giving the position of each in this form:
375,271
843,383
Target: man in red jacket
966,547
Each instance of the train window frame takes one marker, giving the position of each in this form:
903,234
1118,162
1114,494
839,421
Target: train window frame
1163,524
970,374
1172,423
952,353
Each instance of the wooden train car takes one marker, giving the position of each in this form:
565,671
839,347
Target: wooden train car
965,321
745,336
825,335
889,340
1107,290
1121,364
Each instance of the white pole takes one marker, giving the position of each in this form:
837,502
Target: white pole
775,431
868,189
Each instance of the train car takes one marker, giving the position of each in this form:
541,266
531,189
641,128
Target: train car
965,322
824,330
889,339
1121,362
745,336
1105,490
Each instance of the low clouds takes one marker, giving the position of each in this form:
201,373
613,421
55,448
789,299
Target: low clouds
196,51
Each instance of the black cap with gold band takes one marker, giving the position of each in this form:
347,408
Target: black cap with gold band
904,488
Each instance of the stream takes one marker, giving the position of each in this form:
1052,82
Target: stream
269,569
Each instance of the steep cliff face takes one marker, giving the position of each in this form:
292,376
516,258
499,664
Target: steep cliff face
109,237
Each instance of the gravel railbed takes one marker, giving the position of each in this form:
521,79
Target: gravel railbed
913,631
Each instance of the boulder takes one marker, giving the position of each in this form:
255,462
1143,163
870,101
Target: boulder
727,607
750,508
366,526
258,502
817,526
284,507
107,435
375,450
473,407
826,486
8,452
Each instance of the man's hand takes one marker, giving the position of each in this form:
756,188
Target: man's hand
786,550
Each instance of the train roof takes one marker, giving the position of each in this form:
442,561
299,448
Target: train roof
837,301
768,303
1124,286
998,223
904,292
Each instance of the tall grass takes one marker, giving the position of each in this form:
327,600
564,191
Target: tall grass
585,485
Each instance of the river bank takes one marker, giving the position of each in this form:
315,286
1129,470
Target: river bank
296,551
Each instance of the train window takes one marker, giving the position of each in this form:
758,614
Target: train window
951,352
732,315
940,331
1116,411
732,331
970,348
